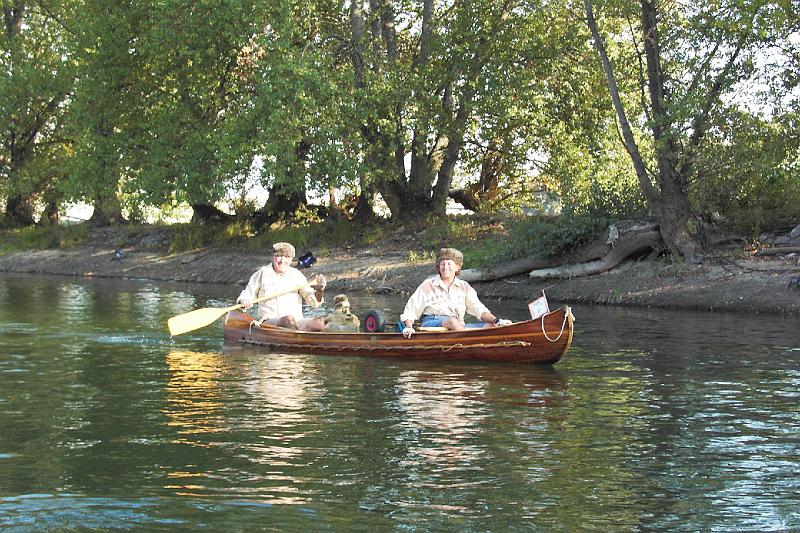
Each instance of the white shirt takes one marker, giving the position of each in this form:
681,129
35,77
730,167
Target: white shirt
266,281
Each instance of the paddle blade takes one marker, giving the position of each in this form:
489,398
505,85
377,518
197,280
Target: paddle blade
202,317
195,319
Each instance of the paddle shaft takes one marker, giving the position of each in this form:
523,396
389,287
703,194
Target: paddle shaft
202,317
269,296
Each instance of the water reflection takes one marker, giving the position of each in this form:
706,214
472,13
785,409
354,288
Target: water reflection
194,403
652,421
442,413
281,387
253,410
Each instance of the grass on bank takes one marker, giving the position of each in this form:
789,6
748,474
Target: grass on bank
485,240
42,238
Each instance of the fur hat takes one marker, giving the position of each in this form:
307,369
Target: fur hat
283,248
450,253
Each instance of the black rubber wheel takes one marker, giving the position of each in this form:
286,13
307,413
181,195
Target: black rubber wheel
374,322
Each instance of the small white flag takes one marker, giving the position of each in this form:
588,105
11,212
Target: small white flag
539,307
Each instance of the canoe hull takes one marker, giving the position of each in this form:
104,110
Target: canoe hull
540,341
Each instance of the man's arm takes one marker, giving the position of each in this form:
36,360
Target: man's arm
250,292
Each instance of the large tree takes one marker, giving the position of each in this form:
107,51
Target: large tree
692,58
186,151
37,79
105,110
280,108
440,88
155,117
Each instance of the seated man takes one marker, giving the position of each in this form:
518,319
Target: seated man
285,310
444,299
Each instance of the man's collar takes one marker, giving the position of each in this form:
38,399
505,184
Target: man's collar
437,280
272,267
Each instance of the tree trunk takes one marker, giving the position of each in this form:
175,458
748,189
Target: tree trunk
363,211
381,176
19,211
280,204
209,214
668,199
284,202
107,210
476,195
672,208
50,215
467,197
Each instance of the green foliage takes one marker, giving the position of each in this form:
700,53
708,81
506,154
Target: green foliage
486,241
596,180
751,176
534,237
438,232
315,234
37,75
415,257
175,100
185,237
42,238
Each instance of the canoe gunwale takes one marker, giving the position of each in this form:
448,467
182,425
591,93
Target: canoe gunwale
411,348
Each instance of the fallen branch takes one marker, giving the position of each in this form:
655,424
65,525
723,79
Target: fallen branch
778,251
630,243
596,249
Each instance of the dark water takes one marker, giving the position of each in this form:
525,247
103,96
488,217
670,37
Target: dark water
652,421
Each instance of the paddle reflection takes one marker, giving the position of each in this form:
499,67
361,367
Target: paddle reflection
193,395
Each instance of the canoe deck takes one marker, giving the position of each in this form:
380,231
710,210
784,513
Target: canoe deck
540,341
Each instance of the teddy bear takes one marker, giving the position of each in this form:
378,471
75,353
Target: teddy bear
342,318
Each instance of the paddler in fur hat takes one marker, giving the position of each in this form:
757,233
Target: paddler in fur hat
443,300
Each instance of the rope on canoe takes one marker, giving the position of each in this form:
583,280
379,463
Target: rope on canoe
442,347
563,324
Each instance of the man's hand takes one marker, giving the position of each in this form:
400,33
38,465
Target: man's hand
320,282
408,331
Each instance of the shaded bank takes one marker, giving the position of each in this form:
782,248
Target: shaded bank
747,284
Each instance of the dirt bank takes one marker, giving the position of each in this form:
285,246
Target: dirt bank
746,283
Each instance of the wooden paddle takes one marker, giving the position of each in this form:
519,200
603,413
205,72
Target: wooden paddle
202,317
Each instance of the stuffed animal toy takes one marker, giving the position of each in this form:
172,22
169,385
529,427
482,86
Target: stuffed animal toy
342,318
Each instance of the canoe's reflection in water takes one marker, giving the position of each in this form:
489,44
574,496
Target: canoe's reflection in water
288,412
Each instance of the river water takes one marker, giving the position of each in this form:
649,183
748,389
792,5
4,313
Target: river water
653,420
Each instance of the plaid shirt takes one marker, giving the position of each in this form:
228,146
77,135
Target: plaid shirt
433,297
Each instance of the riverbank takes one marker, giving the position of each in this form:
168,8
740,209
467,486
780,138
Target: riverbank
736,282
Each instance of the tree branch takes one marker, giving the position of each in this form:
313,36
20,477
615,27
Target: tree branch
630,142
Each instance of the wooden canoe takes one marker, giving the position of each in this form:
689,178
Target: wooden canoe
541,341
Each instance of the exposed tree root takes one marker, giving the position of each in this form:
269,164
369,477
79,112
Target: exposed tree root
782,250
626,240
